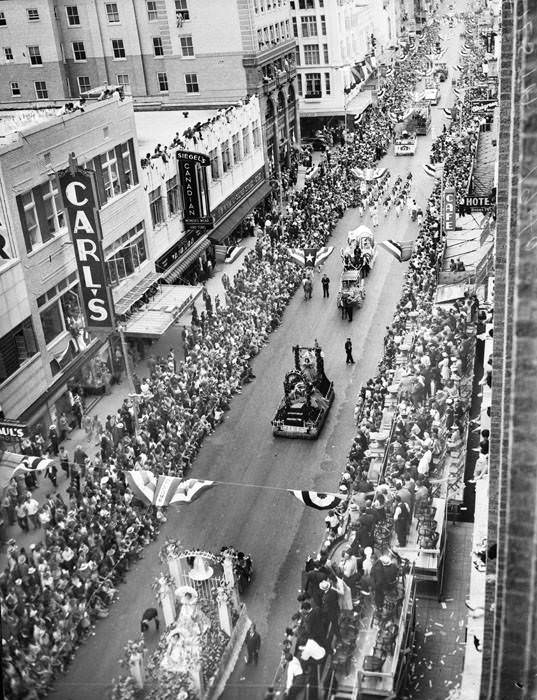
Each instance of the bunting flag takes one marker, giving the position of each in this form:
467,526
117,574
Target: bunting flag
401,250
369,173
319,501
187,490
233,252
142,483
310,257
33,464
448,112
433,170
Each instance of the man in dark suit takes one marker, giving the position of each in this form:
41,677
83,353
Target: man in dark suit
253,643
313,580
330,607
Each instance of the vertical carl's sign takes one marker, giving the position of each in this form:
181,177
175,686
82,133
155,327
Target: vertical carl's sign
193,177
450,209
80,204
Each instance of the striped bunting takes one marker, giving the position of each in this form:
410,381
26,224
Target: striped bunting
431,170
233,252
310,257
319,501
401,250
186,491
142,483
33,464
448,112
161,491
369,173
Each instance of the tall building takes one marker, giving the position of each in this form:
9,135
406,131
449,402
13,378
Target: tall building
166,53
510,631
338,45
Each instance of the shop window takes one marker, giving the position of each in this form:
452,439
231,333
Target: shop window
52,322
245,141
16,347
128,258
215,165
235,141
226,158
172,195
155,204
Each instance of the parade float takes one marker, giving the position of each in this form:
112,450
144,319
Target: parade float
205,626
308,395
405,142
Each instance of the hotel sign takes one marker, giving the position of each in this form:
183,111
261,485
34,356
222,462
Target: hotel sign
193,179
78,193
450,209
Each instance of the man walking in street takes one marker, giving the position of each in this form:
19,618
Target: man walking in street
325,281
253,642
150,614
348,350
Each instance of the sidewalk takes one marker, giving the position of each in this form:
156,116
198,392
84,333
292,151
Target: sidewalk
109,404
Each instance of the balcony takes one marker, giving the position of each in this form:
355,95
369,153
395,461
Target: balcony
313,95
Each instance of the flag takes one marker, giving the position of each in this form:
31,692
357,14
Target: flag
142,483
434,170
369,173
401,250
310,257
448,112
188,490
320,501
33,464
233,252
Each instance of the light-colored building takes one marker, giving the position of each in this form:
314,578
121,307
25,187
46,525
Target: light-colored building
338,45
43,342
183,53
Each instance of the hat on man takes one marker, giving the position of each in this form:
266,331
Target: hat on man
324,585
385,559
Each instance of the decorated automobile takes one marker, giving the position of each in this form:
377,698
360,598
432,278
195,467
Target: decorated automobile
405,143
308,395
432,91
360,252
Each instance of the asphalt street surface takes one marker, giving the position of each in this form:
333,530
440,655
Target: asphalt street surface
249,513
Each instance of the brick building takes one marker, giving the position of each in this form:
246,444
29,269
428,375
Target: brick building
165,52
510,636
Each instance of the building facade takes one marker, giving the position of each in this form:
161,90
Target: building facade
338,45
44,345
164,52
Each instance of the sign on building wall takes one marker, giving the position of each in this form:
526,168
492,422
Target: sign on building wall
450,209
11,431
79,200
195,193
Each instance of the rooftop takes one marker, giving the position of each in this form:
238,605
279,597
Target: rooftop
160,126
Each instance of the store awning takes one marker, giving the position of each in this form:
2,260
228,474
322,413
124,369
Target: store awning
123,304
162,311
358,103
232,220
174,272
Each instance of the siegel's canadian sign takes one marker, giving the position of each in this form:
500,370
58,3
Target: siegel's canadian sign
450,212
80,204
193,178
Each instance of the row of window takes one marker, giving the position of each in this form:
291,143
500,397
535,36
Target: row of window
223,157
312,55
308,26
273,34
16,347
32,14
267,5
191,82
314,85
306,4
41,210
126,255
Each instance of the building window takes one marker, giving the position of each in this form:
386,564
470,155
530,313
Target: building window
41,91
325,53
158,49
226,160
313,85
299,82
83,83
181,11
309,25
127,255
123,79
73,19
162,82
297,55
8,53
311,55
172,195
35,56
323,25
126,160
30,221
327,83
52,322
3,21
295,27
118,48
187,47
256,134
33,14
110,174
16,347
235,143
79,51
15,90
215,165
112,13
155,204
260,38
191,82
306,4
152,10
245,141
53,207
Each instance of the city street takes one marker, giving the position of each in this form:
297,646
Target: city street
250,513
